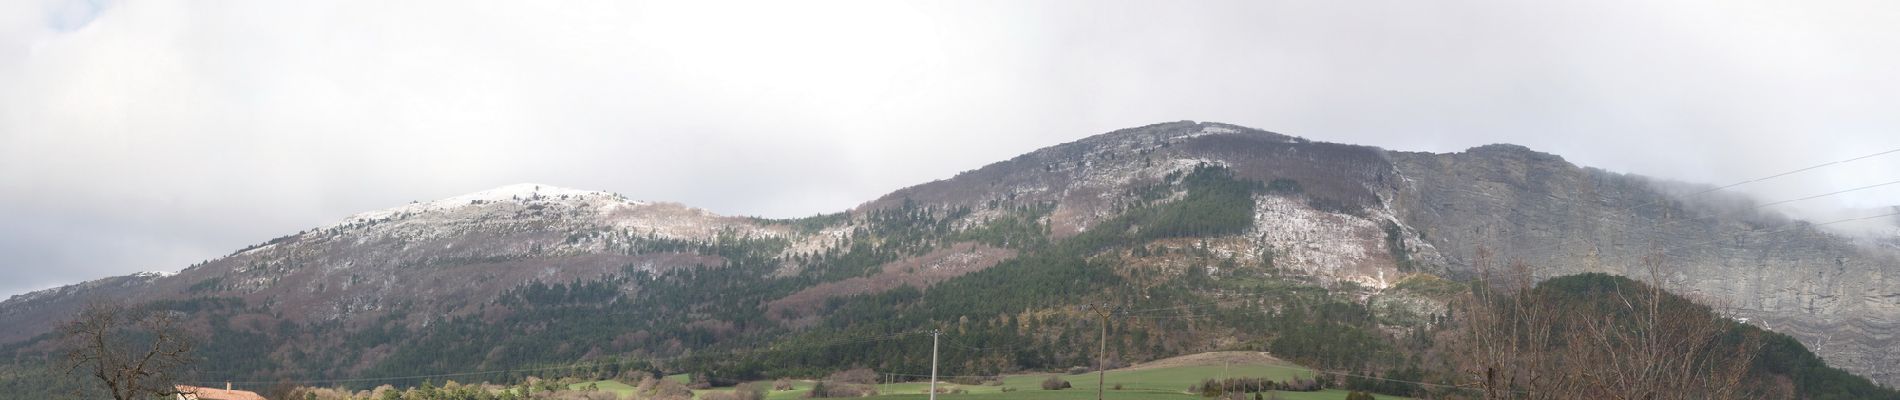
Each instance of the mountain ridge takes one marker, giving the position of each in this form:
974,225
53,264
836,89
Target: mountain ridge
1354,218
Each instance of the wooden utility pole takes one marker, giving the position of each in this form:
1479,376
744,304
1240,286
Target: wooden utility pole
1101,355
933,362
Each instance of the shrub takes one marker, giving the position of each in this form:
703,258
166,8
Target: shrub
830,389
1055,383
782,384
977,380
1302,385
753,391
325,394
634,377
667,389
1208,388
861,376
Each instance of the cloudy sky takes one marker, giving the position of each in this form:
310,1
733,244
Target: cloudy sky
151,134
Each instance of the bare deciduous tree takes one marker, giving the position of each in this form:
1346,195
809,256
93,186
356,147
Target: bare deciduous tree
1630,342
134,353
1506,332
1652,346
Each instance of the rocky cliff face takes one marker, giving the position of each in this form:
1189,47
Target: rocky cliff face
1337,215
1839,295
1333,226
1840,298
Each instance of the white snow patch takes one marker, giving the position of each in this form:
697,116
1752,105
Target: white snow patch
1209,130
1317,241
510,193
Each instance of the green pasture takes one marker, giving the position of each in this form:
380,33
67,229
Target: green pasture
1141,383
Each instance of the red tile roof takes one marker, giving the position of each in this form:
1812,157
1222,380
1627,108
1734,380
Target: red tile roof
202,393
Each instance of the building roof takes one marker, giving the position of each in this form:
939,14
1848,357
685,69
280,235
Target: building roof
204,393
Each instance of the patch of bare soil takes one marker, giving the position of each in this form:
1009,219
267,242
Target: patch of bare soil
1211,358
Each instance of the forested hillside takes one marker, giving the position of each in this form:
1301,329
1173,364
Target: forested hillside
1176,238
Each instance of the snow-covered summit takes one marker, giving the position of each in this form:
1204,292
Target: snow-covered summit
528,207
521,192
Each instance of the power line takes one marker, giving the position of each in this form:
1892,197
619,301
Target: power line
1741,183
1793,227
1796,171
953,342
1826,194
1798,227
1658,227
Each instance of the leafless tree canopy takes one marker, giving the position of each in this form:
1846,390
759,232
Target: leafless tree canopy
135,354
663,389
1614,342
861,376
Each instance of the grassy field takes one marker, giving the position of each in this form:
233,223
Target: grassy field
1169,381
1329,394
618,389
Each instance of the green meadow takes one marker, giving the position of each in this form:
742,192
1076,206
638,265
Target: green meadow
1167,382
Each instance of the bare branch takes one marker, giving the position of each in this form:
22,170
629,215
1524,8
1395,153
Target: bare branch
133,353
